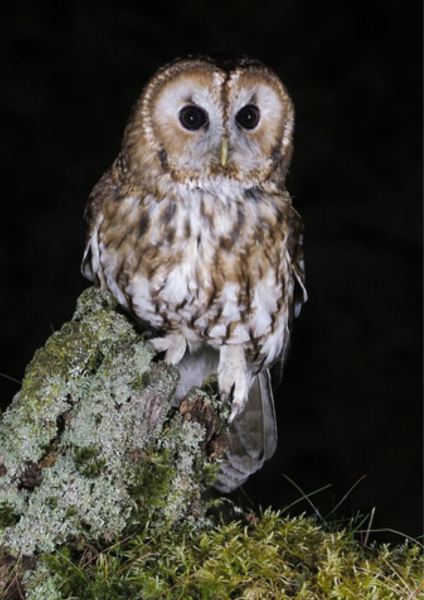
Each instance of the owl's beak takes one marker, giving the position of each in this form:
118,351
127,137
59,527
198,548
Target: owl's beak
224,150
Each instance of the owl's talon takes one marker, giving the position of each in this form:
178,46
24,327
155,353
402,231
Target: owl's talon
237,405
157,345
234,378
235,410
174,345
226,400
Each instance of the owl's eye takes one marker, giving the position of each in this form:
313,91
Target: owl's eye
248,116
193,117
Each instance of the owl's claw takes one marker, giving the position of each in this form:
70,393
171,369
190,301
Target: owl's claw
234,378
174,344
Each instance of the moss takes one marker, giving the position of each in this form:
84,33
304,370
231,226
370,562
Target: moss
87,461
71,511
8,516
84,454
269,557
150,489
210,386
51,502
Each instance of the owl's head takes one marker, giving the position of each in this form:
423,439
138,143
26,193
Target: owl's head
200,120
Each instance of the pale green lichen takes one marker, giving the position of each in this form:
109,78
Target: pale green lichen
93,416
60,372
41,585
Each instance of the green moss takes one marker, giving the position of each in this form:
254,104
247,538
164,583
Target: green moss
208,474
71,511
269,558
51,502
210,386
8,515
84,454
87,461
150,489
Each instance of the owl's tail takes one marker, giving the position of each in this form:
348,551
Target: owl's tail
253,436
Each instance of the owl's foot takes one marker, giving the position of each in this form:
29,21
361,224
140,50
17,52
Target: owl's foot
173,344
233,378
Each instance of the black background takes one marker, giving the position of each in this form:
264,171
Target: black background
351,401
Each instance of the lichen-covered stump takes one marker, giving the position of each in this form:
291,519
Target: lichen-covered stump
90,448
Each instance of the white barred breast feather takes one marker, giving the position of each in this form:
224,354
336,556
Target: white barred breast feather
193,232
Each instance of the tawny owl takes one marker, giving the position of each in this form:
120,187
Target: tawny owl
194,233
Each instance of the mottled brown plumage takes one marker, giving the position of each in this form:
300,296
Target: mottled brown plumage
193,232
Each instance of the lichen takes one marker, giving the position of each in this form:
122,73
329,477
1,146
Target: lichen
93,419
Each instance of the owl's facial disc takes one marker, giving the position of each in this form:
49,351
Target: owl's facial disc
208,123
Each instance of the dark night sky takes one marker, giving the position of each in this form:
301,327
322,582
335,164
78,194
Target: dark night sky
351,400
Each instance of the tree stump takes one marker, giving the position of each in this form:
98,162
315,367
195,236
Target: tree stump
91,449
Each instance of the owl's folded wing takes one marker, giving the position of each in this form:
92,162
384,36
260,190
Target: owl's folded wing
253,436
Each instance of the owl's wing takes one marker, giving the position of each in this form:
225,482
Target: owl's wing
101,194
297,269
253,436
111,187
90,266
297,265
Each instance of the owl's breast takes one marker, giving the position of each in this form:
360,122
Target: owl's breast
216,271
